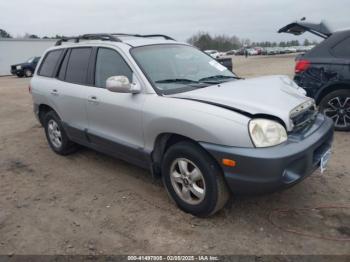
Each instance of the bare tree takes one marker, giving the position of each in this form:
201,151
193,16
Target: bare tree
4,34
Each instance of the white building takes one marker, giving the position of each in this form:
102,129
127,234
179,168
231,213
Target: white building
14,51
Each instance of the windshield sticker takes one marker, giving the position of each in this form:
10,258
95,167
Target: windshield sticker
217,65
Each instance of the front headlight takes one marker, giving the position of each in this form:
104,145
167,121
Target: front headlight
265,132
18,67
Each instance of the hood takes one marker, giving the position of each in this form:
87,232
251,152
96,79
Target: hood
21,64
300,27
269,95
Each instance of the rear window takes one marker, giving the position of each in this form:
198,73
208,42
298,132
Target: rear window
50,62
78,64
342,49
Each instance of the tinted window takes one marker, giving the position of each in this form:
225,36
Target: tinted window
78,65
342,49
49,64
110,63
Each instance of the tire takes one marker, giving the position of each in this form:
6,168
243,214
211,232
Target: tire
28,73
19,75
210,181
336,105
56,135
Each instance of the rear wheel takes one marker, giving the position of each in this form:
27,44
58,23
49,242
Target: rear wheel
194,180
56,136
336,105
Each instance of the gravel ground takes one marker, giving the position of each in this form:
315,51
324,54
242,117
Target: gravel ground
89,203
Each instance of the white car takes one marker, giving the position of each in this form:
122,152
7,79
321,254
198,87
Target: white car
252,51
213,53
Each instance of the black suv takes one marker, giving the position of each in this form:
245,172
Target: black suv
25,69
324,71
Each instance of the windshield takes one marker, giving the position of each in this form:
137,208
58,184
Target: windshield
30,60
174,68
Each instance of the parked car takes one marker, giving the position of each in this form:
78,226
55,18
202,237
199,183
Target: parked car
290,49
231,52
25,69
170,108
213,53
270,51
218,56
324,71
258,50
252,51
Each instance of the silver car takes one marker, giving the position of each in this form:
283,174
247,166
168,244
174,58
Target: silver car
168,107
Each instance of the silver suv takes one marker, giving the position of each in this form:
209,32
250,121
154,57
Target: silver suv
168,107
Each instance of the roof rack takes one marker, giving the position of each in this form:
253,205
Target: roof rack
103,37
106,37
146,36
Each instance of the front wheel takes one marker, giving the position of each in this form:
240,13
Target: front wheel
194,180
28,73
336,105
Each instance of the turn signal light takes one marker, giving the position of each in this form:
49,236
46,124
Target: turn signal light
228,162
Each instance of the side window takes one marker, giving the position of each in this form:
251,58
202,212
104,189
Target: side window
78,65
342,49
110,63
48,66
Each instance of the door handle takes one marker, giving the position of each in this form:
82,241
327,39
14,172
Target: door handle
54,92
93,99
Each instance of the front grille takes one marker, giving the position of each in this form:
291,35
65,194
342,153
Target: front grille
305,119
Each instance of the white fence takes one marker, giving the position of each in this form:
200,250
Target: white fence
14,51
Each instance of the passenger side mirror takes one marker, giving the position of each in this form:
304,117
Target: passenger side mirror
120,84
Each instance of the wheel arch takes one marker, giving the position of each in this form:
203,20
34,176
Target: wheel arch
330,88
43,109
162,143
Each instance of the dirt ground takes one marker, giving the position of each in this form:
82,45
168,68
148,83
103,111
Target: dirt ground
89,203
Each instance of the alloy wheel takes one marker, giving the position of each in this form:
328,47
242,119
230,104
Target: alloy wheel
187,181
338,109
54,133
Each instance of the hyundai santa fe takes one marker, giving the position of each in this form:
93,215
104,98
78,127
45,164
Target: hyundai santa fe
168,107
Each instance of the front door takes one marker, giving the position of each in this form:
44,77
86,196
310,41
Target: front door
115,119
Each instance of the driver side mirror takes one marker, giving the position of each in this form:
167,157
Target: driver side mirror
121,84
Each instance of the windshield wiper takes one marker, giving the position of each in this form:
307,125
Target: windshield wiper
177,80
217,77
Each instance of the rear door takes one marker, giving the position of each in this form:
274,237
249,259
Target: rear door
71,91
115,119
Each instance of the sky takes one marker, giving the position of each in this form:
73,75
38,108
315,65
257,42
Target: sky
253,19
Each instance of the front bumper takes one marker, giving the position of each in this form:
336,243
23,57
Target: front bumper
17,71
262,170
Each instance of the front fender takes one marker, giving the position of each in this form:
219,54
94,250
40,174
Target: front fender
197,121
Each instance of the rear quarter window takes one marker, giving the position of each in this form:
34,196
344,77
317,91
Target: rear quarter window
49,63
342,49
